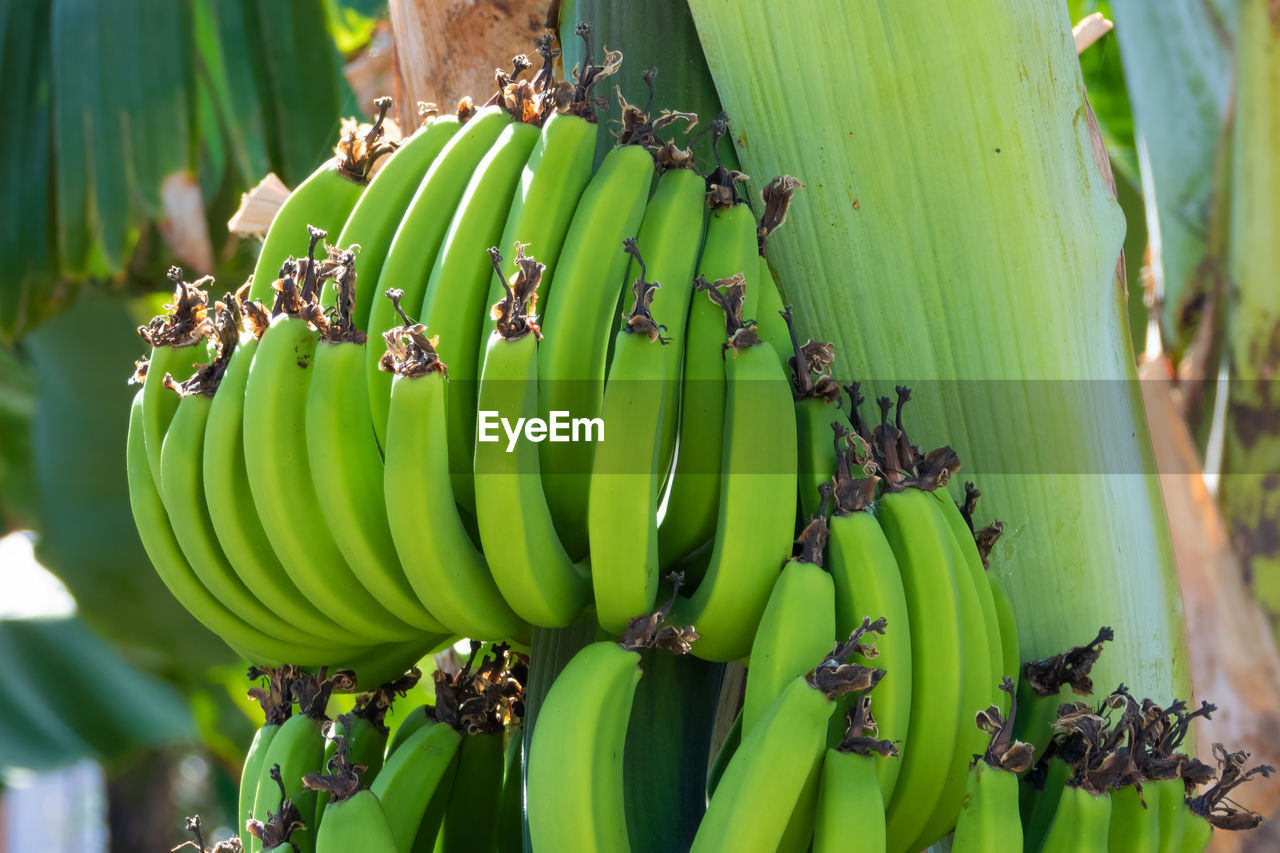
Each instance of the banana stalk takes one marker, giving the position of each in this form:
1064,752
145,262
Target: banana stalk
986,121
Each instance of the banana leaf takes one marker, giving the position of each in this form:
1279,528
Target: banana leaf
959,233
1178,63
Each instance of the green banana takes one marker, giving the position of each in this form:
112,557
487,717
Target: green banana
1168,795
372,223
182,489
274,833
470,825
363,732
411,774
558,170
732,740
625,483
817,396
1197,833
988,820
280,479
690,520
277,706
574,787
455,294
770,309
230,503
672,233
757,493
354,818
414,720
417,240
175,339
758,793
1080,822
920,542
984,541
446,570
850,802
972,559
176,573
536,575
796,627
1135,824
572,364
510,819
298,750
867,580
344,460
324,200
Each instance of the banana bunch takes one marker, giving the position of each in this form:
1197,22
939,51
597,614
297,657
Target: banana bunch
1125,787
518,394
313,784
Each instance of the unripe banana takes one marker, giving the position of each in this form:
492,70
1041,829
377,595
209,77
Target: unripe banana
230,503
1168,795
867,581
411,775
298,750
1080,823
988,821
373,221
625,482
536,575
280,479
455,296
178,344
345,463
796,627
574,789
757,795
850,804
470,823
1135,823
446,570
418,238
354,819
694,497
277,706
572,363
756,496
324,200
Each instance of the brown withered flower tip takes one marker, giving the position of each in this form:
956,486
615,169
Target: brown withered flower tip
514,313
281,823
1046,677
1003,751
852,494
409,351
860,732
649,632
722,183
208,376
186,318
776,196
362,144
836,678
482,699
640,321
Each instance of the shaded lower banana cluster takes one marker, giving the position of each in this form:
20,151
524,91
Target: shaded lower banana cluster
317,492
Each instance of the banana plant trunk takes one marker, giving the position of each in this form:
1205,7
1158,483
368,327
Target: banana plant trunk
1251,453
959,233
